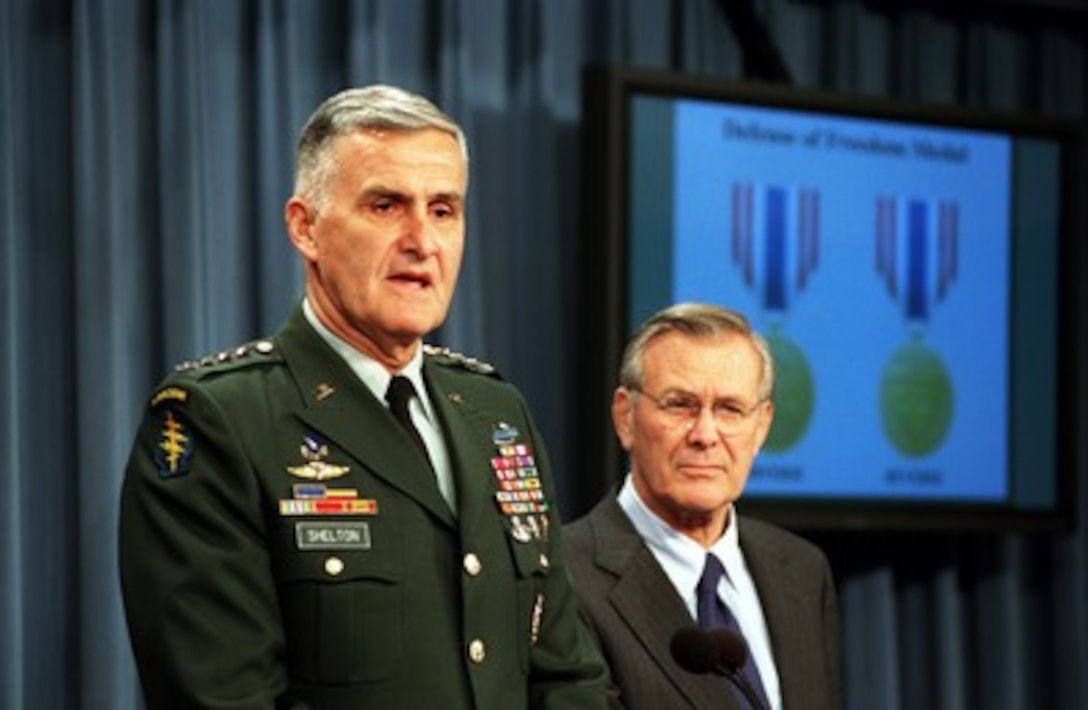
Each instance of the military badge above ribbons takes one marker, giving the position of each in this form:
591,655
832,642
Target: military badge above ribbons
314,452
316,498
322,506
520,494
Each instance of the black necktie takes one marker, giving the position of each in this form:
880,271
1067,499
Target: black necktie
398,395
714,614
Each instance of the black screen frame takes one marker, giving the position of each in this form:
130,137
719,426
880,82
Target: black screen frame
606,126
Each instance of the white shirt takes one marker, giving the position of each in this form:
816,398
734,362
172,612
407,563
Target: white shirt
682,559
376,378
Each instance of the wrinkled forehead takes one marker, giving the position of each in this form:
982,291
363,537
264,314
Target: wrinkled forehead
721,364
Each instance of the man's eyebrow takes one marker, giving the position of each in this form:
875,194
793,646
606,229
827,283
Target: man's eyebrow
382,191
726,398
393,193
448,196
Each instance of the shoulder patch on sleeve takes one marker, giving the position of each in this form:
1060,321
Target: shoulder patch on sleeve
177,395
174,441
249,352
445,356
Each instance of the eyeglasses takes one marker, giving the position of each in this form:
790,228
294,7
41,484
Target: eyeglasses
683,409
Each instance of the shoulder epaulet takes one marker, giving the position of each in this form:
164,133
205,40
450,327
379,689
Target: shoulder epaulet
452,357
231,355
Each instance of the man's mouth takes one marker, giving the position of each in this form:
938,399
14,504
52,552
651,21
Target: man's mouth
412,278
701,469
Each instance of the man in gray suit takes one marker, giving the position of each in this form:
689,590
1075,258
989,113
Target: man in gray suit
692,410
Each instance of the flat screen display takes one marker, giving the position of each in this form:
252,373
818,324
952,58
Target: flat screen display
904,262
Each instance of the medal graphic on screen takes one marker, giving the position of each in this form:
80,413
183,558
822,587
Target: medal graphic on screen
779,267
917,260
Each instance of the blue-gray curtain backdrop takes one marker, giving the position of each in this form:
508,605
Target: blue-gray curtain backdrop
145,154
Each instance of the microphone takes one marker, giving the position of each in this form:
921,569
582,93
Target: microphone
695,651
721,652
732,649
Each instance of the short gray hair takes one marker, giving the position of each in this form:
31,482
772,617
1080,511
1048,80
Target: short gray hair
699,320
379,107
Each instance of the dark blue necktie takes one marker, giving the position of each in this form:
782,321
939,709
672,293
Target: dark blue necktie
714,614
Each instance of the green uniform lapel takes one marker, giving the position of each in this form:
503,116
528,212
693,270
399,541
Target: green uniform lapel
463,422
341,408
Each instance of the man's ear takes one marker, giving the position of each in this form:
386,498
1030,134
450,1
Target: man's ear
299,219
764,419
623,406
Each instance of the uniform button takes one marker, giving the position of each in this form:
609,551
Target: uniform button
544,561
477,651
334,566
472,564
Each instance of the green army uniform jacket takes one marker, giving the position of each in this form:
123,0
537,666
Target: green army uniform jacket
283,544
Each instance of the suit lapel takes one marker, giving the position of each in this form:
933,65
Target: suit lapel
340,408
645,599
782,605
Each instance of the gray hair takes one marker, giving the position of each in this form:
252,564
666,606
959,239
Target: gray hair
378,107
699,320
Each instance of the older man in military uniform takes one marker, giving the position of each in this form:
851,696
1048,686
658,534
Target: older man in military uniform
340,516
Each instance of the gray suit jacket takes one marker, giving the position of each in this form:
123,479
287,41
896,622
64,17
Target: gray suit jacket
634,611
